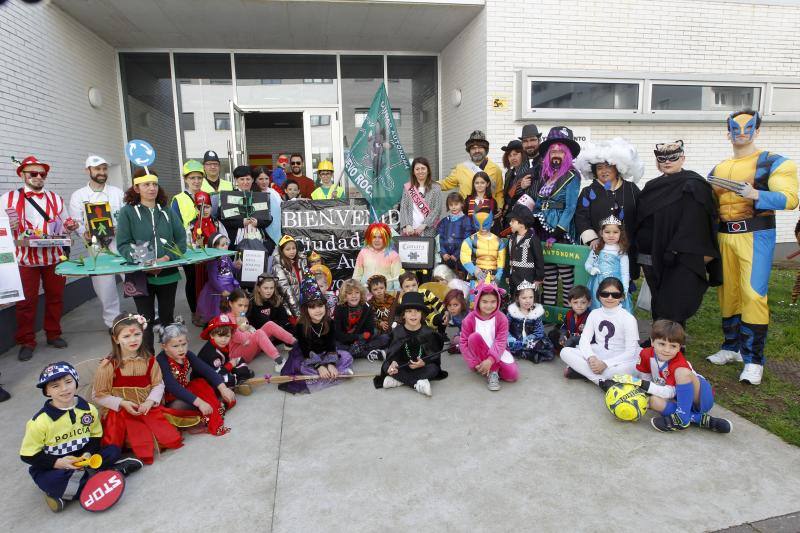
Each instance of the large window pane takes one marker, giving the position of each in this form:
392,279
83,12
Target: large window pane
584,95
204,90
149,111
703,98
786,99
412,93
291,79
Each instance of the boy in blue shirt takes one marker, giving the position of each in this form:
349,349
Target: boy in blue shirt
453,229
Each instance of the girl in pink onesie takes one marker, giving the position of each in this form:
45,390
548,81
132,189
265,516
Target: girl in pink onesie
484,335
248,341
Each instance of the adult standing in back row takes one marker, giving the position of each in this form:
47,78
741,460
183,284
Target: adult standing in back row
461,176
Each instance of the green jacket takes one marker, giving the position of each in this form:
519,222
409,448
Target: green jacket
135,225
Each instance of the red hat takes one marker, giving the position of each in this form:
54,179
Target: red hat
202,197
221,321
31,160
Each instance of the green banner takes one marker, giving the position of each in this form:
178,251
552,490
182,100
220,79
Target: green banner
565,254
376,163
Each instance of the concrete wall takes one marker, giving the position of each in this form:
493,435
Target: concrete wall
637,35
464,67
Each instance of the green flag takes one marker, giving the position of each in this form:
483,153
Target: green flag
376,163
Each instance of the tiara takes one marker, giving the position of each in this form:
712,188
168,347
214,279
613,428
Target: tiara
130,316
525,285
611,220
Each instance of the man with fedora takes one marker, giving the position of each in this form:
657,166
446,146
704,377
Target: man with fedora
532,159
461,176
95,192
36,211
212,183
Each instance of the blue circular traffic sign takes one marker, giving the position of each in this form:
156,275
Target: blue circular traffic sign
140,153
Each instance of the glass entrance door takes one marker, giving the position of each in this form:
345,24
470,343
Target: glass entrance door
323,136
238,146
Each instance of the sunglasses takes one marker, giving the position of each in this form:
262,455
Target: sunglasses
36,174
669,158
296,163
606,294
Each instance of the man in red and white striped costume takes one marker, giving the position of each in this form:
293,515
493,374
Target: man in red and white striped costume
37,211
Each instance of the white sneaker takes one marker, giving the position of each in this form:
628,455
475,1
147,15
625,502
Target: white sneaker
279,362
389,383
723,357
494,381
752,374
423,386
348,372
376,355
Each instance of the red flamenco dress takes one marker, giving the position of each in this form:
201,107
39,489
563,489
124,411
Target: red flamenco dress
200,388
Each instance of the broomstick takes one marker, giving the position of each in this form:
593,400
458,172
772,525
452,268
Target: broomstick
278,380
793,255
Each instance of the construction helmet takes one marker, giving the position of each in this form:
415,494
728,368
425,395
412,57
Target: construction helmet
325,165
192,166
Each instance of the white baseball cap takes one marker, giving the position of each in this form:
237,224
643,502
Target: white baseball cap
95,161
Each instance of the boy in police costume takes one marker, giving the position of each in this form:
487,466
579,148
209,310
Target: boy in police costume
66,430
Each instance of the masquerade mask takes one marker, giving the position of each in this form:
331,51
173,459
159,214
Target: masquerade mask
671,158
742,125
668,151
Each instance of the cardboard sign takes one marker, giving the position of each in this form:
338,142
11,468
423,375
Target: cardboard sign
99,221
252,265
416,253
10,282
102,491
238,205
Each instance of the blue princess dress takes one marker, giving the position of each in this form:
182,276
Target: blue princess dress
609,263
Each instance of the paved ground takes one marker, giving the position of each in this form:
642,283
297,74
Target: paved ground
540,455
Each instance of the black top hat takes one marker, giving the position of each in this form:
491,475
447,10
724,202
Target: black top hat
210,155
563,135
412,300
513,145
477,137
523,215
529,130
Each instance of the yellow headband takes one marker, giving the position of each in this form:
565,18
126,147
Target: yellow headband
147,178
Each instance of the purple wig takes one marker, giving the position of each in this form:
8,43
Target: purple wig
552,172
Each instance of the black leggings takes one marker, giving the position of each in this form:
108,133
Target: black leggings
146,306
409,376
191,294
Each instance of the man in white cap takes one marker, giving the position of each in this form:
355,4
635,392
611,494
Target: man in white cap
98,191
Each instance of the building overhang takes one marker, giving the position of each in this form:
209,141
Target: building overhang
346,25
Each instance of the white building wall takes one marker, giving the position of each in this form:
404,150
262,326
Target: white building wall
464,67
711,37
48,61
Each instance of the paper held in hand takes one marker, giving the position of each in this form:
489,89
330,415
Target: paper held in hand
252,265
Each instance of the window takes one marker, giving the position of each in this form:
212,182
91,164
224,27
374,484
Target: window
320,120
187,121
546,94
690,97
361,114
317,80
222,121
785,100
297,79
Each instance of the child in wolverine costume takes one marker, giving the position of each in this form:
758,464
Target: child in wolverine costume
483,252
749,188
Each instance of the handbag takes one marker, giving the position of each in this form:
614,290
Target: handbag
135,284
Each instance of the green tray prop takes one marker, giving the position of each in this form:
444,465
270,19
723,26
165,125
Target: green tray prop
112,264
565,254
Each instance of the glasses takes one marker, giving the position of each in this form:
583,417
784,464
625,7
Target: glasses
606,294
296,163
36,174
669,158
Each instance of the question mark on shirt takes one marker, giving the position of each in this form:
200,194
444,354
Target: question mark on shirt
610,330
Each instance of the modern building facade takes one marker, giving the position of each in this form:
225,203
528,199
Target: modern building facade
252,79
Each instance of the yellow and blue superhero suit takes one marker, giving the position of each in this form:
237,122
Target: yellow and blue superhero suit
485,251
747,240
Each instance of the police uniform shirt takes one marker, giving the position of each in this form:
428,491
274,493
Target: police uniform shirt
53,433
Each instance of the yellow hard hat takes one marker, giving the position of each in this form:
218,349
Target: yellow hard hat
325,165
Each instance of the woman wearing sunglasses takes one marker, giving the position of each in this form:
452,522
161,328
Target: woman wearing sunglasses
610,341
676,237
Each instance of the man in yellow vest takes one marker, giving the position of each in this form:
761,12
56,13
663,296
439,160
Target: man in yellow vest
326,189
478,149
213,184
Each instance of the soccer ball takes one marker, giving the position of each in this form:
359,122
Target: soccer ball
627,402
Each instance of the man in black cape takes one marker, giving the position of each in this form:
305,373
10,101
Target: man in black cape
676,237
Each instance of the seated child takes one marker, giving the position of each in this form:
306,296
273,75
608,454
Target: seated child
128,385
215,353
315,353
526,338
267,304
483,252
325,280
190,383
52,458
569,332
525,259
354,324
413,357
453,229
221,281
434,314
247,342
457,310
484,336
677,392
610,343
381,303
377,257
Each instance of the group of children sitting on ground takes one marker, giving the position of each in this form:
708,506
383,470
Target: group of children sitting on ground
143,398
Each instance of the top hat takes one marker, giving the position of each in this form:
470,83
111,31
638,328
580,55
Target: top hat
563,135
412,300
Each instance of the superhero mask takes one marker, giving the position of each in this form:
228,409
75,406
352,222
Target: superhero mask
744,124
483,220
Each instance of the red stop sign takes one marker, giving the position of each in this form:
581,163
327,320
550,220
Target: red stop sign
102,490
